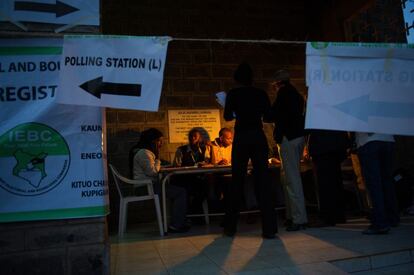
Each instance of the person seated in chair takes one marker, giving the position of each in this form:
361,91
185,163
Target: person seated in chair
221,149
192,154
146,164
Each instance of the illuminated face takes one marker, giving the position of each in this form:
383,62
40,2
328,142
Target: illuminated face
226,138
158,142
194,138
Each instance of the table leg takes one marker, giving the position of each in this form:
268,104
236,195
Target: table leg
164,204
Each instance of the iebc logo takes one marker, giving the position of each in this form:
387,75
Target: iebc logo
34,159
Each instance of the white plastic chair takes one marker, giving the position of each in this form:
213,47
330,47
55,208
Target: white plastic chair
124,199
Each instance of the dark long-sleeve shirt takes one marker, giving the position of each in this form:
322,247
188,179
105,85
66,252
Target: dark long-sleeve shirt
287,114
249,105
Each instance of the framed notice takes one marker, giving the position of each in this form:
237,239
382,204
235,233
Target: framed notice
180,122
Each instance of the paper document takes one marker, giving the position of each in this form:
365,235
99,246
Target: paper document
221,98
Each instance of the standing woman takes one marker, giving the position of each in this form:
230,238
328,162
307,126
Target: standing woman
146,164
249,105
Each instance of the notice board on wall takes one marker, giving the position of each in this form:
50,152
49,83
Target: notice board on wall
180,122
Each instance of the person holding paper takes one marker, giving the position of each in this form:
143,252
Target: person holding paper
248,106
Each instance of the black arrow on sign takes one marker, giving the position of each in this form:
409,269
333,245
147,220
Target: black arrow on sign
97,87
60,8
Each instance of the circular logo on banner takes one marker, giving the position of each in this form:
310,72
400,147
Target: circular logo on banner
34,159
319,45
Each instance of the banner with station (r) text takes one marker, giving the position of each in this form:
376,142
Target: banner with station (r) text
365,87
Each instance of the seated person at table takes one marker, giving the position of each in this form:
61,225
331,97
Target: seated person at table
221,155
221,148
146,164
192,154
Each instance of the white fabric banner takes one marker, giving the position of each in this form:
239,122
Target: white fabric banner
113,71
360,87
408,12
51,155
67,12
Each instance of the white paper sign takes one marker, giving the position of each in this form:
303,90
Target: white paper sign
67,12
354,87
408,12
113,71
51,155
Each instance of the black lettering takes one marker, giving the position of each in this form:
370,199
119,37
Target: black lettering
91,155
49,66
115,62
52,90
98,183
83,61
24,93
27,93
108,62
10,94
91,128
94,193
22,67
125,62
42,92
12,68
42,66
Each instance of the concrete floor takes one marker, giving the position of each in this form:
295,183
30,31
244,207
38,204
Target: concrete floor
203,250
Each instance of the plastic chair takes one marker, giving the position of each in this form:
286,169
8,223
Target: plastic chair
125,199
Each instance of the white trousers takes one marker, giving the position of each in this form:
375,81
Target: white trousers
290,152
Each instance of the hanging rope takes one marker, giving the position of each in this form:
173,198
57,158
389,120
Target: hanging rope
268,41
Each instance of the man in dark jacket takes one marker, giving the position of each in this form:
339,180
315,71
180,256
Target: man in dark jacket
192,154
287,114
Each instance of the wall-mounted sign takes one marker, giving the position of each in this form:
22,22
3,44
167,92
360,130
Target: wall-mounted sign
51,155
113,71
366,87
66,12
180,122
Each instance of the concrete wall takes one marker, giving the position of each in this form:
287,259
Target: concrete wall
77,246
